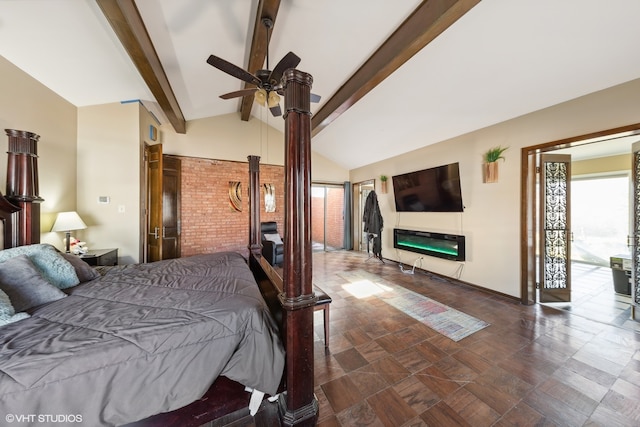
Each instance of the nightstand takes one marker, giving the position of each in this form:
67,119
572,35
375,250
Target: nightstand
98,257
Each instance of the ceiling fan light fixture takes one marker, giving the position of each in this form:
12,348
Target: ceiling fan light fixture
274,99
261,96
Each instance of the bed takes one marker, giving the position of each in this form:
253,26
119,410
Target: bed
190,319
147,340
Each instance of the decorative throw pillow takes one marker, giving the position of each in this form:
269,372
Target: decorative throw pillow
7,312
51,264
83,270
24,285
6,309
275,238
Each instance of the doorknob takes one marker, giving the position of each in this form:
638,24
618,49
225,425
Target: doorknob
155,233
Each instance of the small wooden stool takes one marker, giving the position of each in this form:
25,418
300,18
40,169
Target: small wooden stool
323,304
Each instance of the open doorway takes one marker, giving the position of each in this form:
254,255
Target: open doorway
600,223
362,190
602,205
327,217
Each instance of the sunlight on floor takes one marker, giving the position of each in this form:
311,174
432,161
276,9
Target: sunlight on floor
365,288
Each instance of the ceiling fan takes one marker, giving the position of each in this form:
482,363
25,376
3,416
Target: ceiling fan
268,88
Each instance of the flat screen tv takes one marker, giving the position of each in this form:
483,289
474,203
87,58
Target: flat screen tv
429,190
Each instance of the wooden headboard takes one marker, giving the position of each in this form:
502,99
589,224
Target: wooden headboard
7,209
20,208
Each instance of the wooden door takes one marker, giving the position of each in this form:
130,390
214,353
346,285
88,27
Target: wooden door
170,207
555,257
153,154
635,248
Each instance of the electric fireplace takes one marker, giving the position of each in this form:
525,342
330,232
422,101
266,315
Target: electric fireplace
447,246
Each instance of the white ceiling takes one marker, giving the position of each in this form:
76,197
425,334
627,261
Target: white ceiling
502,59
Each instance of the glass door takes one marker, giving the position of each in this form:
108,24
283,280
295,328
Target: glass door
635,249
555,226
599,219
327,217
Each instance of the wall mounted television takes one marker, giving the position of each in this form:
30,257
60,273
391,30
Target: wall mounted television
429,190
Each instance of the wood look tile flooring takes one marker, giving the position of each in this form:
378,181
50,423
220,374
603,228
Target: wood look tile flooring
533,366
593,297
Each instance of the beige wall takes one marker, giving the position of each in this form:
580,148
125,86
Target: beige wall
27,105
603,165
491,219
109,139
229,138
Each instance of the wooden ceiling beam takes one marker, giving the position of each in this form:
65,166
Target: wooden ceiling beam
126,22
424,24
259,46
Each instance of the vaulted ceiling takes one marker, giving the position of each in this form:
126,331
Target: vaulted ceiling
393,76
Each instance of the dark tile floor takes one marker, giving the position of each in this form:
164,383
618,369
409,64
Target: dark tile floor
593,297
533,366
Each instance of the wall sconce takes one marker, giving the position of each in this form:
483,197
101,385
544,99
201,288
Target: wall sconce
67,222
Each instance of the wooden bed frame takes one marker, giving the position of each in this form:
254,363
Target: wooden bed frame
226,401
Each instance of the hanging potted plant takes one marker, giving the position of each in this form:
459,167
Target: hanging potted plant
383,182
491,158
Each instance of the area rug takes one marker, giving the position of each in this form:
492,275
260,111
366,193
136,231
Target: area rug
445,320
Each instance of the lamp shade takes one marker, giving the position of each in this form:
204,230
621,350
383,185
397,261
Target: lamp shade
67,221
261,96
273,99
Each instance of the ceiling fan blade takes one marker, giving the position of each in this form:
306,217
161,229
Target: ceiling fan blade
275,110
238,93
233,70
315,98
290,60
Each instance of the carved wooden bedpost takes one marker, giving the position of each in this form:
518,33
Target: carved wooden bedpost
255,244
298,405
22,186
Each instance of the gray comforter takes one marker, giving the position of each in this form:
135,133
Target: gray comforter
140,340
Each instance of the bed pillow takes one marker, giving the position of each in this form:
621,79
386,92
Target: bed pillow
7,313
275,238
52,265
24,285
83,270
6,309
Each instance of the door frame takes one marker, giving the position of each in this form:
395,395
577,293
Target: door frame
358,204
325,186
529,222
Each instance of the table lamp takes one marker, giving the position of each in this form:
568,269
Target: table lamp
68,221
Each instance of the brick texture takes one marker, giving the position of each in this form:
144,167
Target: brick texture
209,224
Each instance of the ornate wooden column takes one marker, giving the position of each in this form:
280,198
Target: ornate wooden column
22,185
7,210
298,405
255,244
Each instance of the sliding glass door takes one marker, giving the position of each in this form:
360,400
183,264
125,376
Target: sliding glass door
327,217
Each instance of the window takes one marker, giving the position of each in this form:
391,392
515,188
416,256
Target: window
599,218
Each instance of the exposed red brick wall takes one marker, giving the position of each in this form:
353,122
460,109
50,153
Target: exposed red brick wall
208,222
335,217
